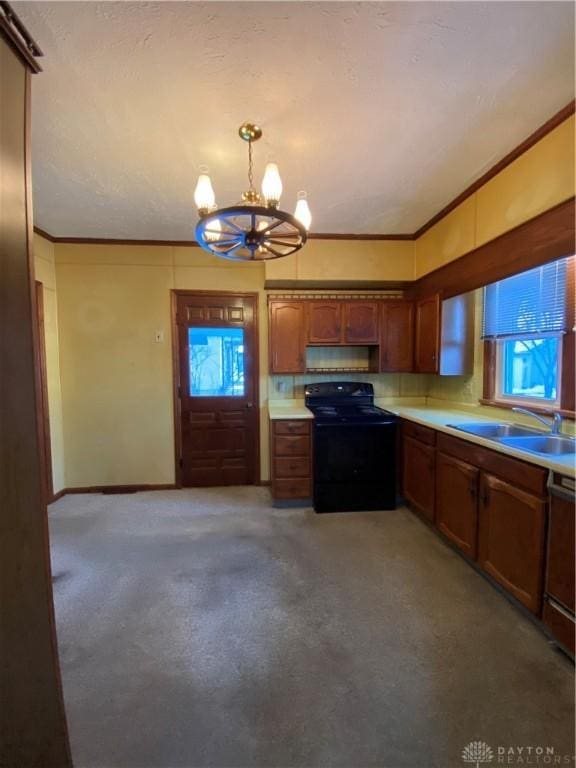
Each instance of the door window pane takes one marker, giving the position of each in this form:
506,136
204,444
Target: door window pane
216,362
529,368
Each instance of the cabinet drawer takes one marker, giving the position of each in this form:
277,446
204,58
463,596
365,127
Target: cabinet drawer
292,488
418,432
297,466
560,623
291,445
291,427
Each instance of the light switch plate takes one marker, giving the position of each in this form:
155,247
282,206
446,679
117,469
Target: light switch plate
159,337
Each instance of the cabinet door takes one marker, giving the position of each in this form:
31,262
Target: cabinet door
361,322
511,539
324,322
427,335
560,574
287,337
457,502
397,337
418,475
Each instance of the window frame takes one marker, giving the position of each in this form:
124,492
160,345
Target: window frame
565,404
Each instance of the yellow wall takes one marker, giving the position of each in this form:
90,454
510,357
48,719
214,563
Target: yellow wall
116,379
346,260
45,273
538,180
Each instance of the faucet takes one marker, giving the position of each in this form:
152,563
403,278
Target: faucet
555,426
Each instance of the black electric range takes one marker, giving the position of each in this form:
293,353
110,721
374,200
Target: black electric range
354,448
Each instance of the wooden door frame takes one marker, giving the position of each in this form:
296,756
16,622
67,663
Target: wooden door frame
42,410
175,293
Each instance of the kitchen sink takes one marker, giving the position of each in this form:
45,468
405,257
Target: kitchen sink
497,431
554,445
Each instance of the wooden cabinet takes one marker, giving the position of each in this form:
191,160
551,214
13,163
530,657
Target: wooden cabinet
397,336
427,335
343,322
558,612
290,459
511,538
361,322
456,502
287,342
418,460
324,322
560,574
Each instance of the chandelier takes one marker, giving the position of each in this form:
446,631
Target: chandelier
254,229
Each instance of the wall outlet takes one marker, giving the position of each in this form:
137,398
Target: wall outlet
159,337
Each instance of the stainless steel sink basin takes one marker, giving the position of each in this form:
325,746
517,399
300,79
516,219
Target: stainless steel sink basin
497,431
552,445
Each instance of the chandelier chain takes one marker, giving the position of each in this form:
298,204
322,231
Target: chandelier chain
250,168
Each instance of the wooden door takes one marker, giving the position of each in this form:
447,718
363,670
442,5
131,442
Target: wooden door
457,502
324,322
560,575
217,381
511,539
427,342
361,322
397,337
287,337
418,475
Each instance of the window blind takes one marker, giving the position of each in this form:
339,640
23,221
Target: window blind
532,303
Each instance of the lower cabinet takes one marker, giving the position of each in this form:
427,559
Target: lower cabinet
457,502
511,539
492,507
290,459
418,475
558,612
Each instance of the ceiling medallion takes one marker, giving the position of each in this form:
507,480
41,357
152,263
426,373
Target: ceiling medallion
254,229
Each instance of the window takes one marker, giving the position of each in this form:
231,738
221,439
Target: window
525,322
216,359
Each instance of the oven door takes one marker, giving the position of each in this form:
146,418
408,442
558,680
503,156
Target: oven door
354,467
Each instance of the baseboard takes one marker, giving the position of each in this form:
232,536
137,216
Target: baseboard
56,496
112,489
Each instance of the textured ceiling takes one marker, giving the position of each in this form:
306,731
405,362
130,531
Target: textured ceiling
383,112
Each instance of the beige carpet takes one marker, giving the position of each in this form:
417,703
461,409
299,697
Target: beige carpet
204,628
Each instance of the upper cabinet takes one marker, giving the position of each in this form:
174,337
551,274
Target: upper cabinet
391,335
343,322
287,337
324,322
427,335
361,324
397,337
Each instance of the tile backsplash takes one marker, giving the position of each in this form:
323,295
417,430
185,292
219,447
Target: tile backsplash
385,384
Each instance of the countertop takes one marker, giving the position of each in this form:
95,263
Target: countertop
439,419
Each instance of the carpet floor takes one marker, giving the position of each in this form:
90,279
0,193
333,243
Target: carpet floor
205,629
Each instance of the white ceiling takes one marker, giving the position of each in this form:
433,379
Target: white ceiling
383,112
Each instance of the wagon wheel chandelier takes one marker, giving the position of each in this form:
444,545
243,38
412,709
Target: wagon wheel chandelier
254,229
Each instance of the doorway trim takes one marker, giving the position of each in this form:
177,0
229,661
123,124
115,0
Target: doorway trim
43,413
176,386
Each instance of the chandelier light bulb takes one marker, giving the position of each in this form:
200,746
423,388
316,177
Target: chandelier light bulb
213,230
204,196
272,185
302,212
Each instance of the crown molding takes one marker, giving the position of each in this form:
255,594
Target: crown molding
533,139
